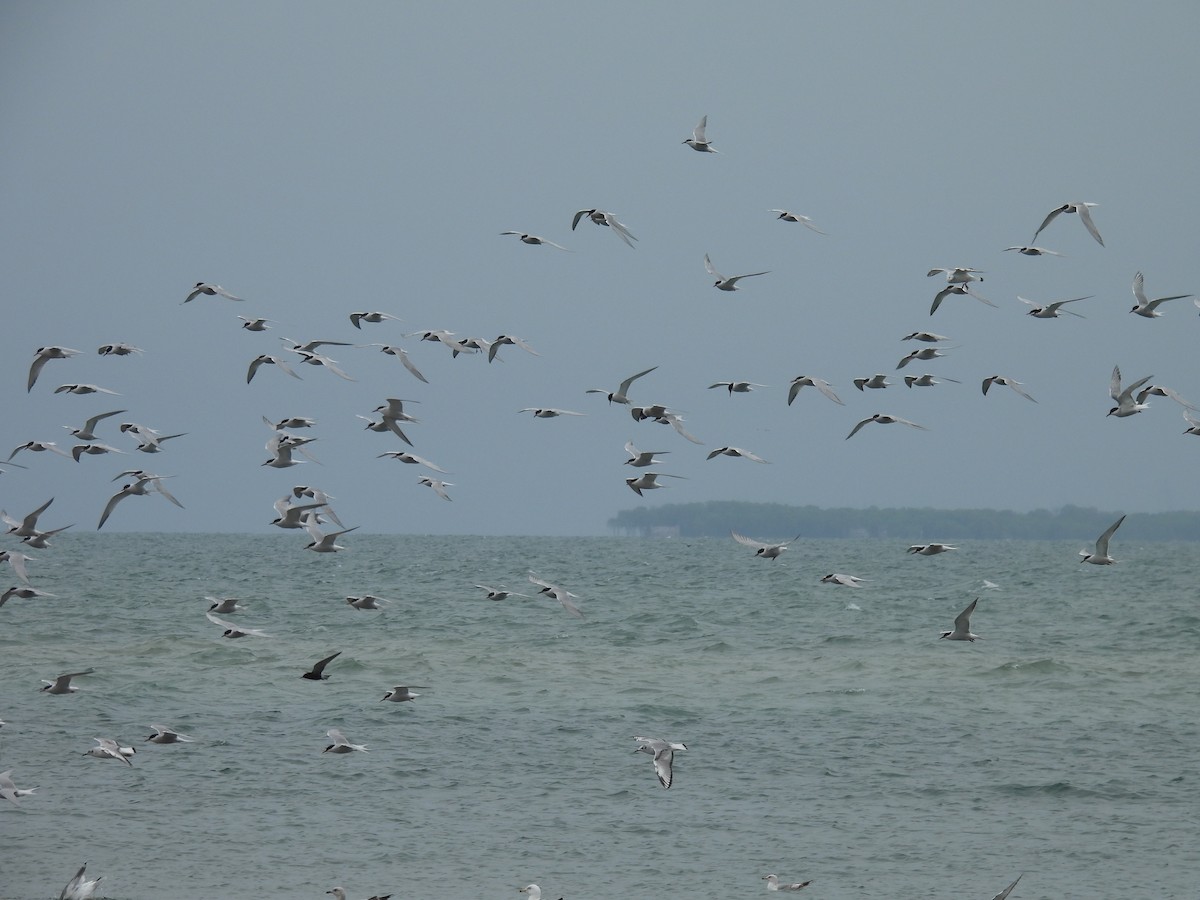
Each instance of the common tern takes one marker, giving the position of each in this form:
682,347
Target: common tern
341,744
1126,404
22,593
107,748
402,355
506,339
925,353
255,324
1100,557
164,735
549,412
10,792
498,593
803,381
1158,390
224,605
140,488
726,284
698,141
736,387
210,290
234,631
400,693
647,481
958,274
762,548
663,753
374,318
1145,307
796,217
322,542
412,459
561,594
1085,216
43,355
16,561
95,448
83,389
600,217
534,239
367,601
959,290
926,380
1034,251
39,447
27,527
844,580
927,336
88,431
621,394
266,359
1054,309
340,894
962,626
1007,382
436,485
641,459
663,416
62,684
118,349
883,419
876,381
736,452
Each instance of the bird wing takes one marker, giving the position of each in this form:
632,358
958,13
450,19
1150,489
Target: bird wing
1102,541
962,622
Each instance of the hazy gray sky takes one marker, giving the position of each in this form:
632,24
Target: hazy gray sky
319,160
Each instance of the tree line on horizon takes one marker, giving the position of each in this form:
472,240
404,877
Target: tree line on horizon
715,518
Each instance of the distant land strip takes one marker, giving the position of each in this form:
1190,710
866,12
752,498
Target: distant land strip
778,521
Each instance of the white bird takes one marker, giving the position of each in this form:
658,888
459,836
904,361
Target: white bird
400,693
736,452
502,340
883,419
926,380
924,353
211,290
16,561
79,887
803,381
762,548
876,381
663,416
83,389
621,394
1100,557
1126,404
38,447
534,239
118,349
253,324
318,496
499,593
438,486
27,527
93,449
549,412
1193,423
697,141
324,543
1158,390
341,744
641,459
62,684
1008,382
1003,895
927,336
43,355
1145,307
736,387
22,593
561,594
647,481
88,431
962,626
957,289
290,422
726,284
929,549
293,515
107,748
367,601
774,884
1034,251
401,355
412,459
313,358
10,792
224,605
235,631
164,735
600,217
140,488
664,756
957,274
796,217
374,318
845,580
267,359
1085,216
340,894
1052,310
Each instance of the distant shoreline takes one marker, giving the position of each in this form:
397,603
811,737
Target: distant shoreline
776,520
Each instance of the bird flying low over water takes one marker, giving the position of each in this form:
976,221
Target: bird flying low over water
962,626
726,284
401,692
164,735
647,482
1100,556
62,683
561,594
600,217
341,744
763,549
107,748
234,631
317,672
663,753
929,549
844,580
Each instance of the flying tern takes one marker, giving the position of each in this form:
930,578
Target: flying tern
796,217
726,284
600,217
763,549
1145,307
1085,216
697,141
1100,557
962,625
211,290
883,419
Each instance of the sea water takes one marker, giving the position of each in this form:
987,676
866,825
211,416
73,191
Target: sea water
831,735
